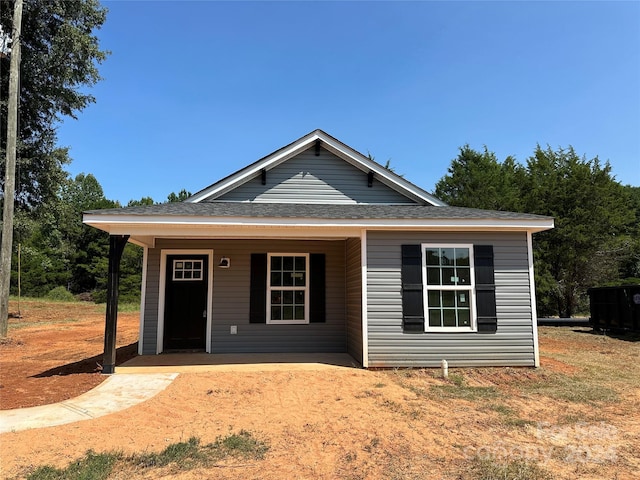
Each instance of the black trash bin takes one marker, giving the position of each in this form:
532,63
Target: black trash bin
615,308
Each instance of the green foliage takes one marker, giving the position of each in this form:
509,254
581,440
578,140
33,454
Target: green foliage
596,237
60,58
182,455
592,216
179,197
242,444
479,180
93,466
142,202
61,294
58,250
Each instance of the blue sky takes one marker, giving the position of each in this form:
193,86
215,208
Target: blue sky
194,91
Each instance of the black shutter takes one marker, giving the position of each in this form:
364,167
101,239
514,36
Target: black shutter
317,288
412,288
485,288
258,300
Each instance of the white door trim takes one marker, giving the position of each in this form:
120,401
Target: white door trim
163,284
143,298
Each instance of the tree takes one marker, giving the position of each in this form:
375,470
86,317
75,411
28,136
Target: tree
10,171
592,213
595,235
59,57
180,197
477,179
90,247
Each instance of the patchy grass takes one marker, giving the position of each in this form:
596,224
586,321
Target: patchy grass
17,325
182,456
490,469
458,388
577,389
93,466
508,416
123,307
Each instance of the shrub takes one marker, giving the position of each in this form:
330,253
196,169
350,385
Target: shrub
60,294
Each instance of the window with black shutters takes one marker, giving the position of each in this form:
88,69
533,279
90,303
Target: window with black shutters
288,288
449,291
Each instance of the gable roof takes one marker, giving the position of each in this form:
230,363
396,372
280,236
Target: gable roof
341,150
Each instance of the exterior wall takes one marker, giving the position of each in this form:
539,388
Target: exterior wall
231,299
354,298
150,314
310,179
511,345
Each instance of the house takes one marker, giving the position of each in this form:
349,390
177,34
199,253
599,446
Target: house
317,248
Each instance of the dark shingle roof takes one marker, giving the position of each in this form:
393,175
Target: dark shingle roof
294,210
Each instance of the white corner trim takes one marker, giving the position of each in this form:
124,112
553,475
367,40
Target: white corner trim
162,290
532,294
143,295
364,313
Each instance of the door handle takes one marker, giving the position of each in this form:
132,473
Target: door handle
204,314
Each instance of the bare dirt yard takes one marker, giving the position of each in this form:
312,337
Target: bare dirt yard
578,416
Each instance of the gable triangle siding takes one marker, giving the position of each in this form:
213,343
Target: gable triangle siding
323,179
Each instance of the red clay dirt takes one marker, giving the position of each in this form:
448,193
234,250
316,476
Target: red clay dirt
54,351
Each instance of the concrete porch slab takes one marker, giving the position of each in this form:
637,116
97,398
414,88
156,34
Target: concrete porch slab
239,362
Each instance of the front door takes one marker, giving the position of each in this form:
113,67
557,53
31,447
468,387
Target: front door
185,312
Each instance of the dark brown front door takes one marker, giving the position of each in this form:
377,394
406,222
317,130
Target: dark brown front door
185,312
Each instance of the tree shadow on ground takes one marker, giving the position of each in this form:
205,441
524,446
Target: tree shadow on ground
90,365
626,336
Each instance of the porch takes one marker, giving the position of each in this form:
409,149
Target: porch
235,362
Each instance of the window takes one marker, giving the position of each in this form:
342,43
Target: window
288,288
449,288
187,270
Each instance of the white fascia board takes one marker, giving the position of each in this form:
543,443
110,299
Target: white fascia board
388,178
251,171
138,225
338,148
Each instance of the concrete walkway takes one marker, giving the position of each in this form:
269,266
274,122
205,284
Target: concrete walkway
145,376
114,394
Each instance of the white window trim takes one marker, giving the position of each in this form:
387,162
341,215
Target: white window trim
471,287
305,289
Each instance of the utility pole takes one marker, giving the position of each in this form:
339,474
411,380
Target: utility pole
10,171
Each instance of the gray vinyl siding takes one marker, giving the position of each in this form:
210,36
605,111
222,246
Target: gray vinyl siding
310,179
354,298
511,345
231,299
150,326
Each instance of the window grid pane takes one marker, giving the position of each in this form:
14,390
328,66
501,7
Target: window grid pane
449,308
288,279
187,270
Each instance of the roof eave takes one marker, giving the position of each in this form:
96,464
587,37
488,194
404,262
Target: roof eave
121,224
